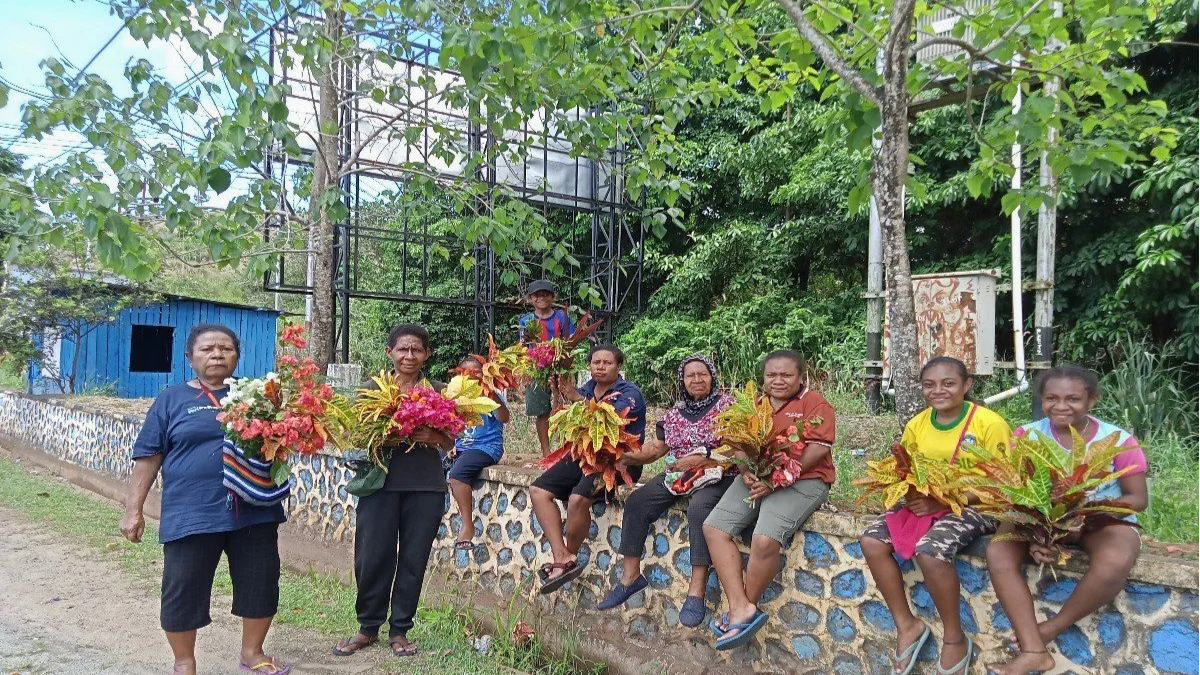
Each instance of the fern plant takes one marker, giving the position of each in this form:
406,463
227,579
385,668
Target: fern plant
1045,490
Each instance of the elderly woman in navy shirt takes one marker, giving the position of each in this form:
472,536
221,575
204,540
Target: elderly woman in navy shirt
201,519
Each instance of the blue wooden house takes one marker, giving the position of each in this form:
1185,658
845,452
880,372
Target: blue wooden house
142,351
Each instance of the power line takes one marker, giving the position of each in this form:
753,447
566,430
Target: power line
128,20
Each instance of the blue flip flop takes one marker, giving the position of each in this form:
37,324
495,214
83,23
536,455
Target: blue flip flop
910,655
745,631
715,625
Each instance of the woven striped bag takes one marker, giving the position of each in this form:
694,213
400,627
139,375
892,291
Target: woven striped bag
250,478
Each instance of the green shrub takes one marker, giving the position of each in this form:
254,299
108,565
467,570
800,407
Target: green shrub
1173,468
828,331
1148,395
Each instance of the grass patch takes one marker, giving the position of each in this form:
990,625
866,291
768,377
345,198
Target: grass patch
1174,509
306,600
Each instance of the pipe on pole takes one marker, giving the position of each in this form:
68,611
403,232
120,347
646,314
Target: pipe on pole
1017,309
875,297
1043,308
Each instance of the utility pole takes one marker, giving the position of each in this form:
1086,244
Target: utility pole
1043,286
875,295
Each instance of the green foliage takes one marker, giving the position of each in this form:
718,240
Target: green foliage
55,302
827,331
1148,394
1174,510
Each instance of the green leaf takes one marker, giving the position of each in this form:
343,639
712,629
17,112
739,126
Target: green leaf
975,184
219,180
1010,202
280,472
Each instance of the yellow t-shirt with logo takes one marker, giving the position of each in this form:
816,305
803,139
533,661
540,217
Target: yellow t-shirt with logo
937,441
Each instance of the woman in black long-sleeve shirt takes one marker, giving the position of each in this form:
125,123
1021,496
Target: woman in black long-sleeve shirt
396,526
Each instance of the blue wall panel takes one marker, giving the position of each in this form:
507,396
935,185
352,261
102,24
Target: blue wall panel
104,354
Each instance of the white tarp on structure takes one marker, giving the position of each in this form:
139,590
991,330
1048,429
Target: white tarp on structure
429,128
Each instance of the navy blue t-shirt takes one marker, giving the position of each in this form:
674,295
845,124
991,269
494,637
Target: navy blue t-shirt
182,426
628,398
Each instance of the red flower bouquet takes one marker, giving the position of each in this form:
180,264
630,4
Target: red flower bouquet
284,412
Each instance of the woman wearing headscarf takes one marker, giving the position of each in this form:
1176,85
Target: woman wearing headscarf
686,438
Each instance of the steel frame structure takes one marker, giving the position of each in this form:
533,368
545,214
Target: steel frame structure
613,266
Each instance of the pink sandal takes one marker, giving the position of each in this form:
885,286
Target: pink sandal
271,666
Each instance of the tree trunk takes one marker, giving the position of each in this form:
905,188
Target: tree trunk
889,172
326,164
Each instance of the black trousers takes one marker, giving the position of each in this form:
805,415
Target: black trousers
392,541
190,563
649,502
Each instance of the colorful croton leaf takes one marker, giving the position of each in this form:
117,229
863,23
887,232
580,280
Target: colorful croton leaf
746,430
386,414
903,470
747,424
593,433
502,369
1045,490
469,399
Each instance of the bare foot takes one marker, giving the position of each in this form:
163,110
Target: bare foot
906,636
187,667
1026,662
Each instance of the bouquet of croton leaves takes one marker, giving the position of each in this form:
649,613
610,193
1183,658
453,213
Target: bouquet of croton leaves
746,430
593,434
501,369
388,414
1045,490
550,359
903,471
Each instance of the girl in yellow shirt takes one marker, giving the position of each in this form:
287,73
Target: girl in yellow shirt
924,528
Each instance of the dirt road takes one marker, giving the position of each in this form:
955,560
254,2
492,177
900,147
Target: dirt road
64,610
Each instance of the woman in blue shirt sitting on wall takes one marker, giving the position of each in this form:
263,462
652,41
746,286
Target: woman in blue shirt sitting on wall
201,518
476,449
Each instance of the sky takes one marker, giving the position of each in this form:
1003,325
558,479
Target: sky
74,30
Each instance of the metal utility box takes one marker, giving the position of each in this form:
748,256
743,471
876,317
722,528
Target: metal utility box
956,316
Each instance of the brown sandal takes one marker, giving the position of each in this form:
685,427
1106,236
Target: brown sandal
354,644
570,571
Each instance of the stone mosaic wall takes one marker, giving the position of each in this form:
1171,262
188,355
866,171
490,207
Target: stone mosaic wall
826,616
95,440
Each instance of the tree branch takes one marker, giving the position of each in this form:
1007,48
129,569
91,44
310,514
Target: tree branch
828,53
901,22
972,49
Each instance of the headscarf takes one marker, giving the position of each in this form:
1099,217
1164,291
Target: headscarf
693,409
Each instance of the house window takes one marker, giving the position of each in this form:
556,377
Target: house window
151,349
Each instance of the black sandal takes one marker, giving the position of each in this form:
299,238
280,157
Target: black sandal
403,652
353,645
